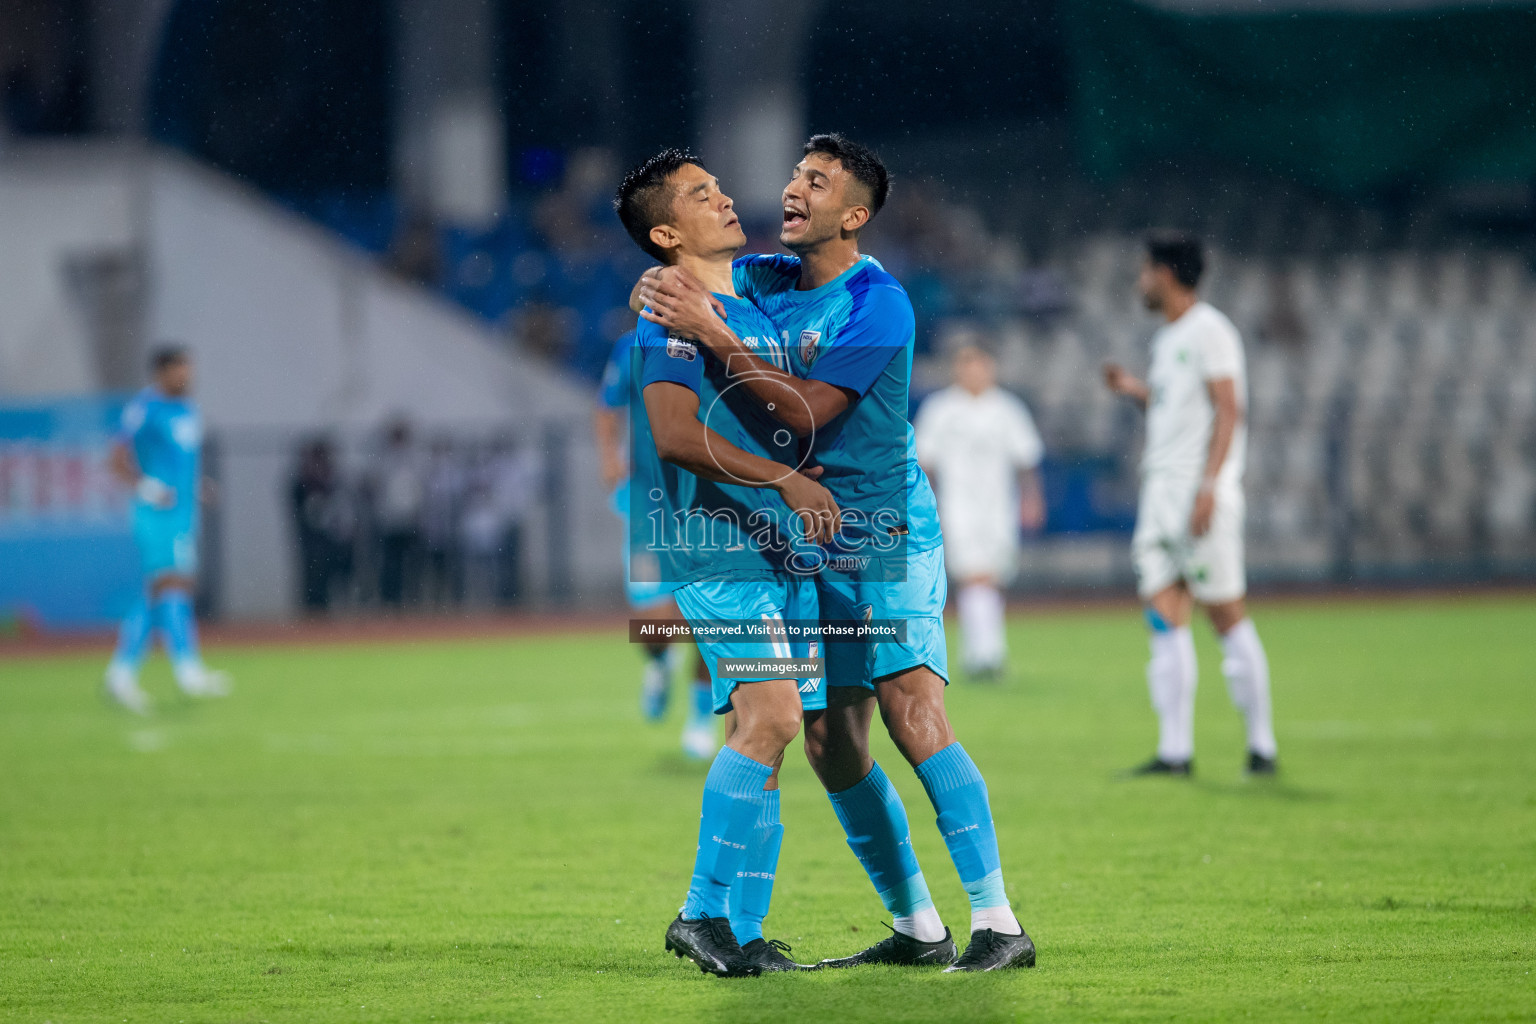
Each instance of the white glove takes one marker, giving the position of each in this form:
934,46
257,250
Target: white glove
155,493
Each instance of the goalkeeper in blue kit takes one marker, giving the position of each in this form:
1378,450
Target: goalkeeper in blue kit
158,453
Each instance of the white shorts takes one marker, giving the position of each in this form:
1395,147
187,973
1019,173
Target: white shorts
1164,553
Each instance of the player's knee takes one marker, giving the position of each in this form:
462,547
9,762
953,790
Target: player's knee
906,711
816,738
777,725
1226,615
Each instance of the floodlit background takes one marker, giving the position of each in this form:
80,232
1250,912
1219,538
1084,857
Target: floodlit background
383,229
361,215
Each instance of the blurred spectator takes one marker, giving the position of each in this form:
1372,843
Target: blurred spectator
443,583
322,520
399,490
480,534
546,330
513,474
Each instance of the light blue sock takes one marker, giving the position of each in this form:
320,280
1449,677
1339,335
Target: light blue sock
173,614
965,820
133,636
878,833
733,798
753,891
703,701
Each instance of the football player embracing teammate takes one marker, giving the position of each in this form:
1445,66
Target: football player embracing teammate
848,331
719,502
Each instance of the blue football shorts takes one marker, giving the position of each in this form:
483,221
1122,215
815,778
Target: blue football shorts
917,600
768,601
167,541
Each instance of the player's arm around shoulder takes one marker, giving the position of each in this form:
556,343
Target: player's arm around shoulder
680,304
687,442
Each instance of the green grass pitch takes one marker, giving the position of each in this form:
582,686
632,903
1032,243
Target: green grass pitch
485,831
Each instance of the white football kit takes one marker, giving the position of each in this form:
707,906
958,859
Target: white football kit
1199,347
978,444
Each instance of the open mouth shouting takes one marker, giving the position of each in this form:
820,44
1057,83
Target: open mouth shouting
794,217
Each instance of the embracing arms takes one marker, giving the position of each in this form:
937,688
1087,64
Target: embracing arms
685,441
678,302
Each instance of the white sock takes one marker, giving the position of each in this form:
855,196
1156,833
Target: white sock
1247,670
982,630
1172,676
999,919
924,926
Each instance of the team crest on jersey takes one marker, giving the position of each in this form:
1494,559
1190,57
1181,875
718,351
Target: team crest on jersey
809,342
677,348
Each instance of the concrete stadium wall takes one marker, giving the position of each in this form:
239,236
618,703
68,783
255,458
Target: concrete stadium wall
55,208
293,332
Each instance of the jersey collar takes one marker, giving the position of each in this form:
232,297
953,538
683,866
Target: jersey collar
862,263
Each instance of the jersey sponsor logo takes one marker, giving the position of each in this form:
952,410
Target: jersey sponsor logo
677,348
809,344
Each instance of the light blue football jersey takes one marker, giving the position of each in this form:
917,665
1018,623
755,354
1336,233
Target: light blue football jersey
617,374
855,332
698,529
166,437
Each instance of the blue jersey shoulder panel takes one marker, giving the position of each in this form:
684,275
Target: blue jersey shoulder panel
617,379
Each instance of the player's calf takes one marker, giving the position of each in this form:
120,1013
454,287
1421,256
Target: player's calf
735,792
912,705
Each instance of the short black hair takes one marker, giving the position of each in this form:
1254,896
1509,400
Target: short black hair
642,200
858,160
1179,251
166,356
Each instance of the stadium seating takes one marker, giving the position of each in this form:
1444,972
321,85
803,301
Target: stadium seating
1415,370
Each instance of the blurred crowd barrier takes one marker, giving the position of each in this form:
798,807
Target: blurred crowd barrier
443,524
408,520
